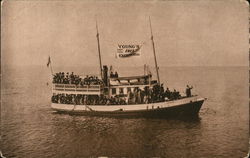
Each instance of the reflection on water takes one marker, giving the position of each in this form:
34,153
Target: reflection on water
30,129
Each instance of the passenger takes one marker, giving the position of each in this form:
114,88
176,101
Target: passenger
108,102
74,99
139,96
178,95
116,100
81,100
146,91
162,94
62,75
112,100
145,101
105,100
167,93
142,96
132,100
116,75
111,74
188,91
150,96
128,97
85,100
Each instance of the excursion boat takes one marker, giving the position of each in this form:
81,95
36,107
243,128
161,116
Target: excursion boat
121,88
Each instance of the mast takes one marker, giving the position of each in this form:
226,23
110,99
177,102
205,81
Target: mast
99,52
152,39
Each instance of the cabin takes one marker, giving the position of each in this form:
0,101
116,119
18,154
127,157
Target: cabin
122,85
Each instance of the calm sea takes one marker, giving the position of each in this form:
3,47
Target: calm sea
29,128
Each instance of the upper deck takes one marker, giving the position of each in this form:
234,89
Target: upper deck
115,86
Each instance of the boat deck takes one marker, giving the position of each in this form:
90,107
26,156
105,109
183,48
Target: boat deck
71,107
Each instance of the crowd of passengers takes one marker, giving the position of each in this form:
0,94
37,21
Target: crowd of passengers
138,96
66,78
114,75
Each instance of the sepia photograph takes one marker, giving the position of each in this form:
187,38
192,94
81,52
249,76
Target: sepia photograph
130,79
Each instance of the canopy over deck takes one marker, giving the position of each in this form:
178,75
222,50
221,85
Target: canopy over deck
132,77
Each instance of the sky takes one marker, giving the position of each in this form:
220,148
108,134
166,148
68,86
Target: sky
186,33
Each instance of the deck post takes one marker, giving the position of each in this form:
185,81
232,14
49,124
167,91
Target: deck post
99,50
156,66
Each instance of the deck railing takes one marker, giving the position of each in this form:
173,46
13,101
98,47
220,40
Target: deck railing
77,88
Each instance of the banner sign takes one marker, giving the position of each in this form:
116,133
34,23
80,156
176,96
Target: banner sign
124,51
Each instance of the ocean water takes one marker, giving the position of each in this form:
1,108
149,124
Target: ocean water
29,128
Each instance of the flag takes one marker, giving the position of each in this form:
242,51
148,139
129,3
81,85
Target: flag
124,51
49,61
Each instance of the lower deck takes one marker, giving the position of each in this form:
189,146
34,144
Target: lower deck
189,106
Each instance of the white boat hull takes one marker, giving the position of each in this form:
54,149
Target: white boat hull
181,107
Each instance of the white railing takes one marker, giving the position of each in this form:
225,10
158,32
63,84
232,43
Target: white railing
77,88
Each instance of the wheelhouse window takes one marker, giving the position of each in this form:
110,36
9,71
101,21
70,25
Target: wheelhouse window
113,91
129,89
106,91
121,91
